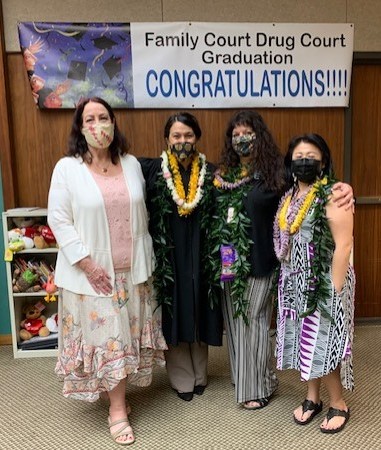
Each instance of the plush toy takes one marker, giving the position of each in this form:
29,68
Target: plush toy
18,241
52,323
25,280
24,222
50,289
44,238
34,323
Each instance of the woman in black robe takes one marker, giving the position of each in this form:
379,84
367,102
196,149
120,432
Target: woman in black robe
180,202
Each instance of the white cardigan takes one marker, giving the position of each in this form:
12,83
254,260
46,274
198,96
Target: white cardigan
77,217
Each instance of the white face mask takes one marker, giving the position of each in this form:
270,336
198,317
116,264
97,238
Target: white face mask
99,135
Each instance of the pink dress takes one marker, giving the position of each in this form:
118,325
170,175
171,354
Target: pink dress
105,339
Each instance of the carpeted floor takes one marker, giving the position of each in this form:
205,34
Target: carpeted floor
34,415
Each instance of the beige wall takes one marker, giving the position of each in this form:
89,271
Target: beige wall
365,14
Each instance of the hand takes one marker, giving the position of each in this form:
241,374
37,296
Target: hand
343,195
97,276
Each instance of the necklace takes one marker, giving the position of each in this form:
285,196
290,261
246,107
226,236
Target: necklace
290,215
170,166
220,183
319,249
233,230
103,169
161,213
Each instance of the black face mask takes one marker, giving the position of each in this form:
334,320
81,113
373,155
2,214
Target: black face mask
183,151
306,170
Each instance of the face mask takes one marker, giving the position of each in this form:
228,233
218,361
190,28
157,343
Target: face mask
99,135
183,151
306,170
243,145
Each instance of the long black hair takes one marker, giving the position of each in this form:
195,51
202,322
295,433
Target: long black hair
266,159
77,145
317,141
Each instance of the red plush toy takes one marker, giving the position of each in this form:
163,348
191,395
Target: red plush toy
34,322
45,238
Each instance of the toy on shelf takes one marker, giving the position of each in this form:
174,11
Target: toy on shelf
33,276
47,280
29,233
44,238
25,280
34,323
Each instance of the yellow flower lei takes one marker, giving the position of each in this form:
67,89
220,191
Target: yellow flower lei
185,203
305,206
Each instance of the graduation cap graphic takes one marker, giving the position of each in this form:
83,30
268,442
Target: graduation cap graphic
78,35
103,43
112,66
77,70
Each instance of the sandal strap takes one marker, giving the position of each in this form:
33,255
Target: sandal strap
309,405
334,412
116,422
262,401
123,431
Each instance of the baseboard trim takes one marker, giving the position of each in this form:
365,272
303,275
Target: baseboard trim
5,339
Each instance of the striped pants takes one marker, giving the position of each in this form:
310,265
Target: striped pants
250,345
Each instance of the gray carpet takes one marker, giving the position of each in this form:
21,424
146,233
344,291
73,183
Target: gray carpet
35,416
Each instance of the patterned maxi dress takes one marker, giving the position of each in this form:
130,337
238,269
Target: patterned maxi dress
313,345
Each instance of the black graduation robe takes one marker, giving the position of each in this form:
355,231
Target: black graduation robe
190,318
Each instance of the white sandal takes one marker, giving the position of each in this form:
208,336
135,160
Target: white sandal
124,430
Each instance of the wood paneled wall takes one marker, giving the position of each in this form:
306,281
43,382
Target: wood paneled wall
366,180
40,136
5,139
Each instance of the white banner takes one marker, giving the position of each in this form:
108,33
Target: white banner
229,65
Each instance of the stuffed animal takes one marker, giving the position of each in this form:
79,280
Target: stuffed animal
50,289
44,238
52,323
34,323
18,241
25,280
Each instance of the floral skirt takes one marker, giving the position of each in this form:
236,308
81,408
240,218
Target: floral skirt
105,339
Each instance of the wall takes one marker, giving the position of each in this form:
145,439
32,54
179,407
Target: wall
365,14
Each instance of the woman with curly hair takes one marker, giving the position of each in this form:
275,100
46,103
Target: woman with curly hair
250,181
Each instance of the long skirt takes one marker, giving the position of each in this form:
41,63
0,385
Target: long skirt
103,340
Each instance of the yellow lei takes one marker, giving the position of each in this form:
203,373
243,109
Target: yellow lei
185,200
310,197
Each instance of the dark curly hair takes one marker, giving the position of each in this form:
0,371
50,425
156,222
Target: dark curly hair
77,145
266,159
319,142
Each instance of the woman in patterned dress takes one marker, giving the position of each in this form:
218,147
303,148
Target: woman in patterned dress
313,242
110,326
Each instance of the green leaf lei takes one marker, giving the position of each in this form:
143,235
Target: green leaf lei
164,278
321,247
236,233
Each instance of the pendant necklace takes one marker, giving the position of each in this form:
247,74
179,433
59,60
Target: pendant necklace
103,169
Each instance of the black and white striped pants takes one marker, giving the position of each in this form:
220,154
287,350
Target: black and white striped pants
250,349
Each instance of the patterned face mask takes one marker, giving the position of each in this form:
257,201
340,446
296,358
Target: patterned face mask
99,135
243,145
183,151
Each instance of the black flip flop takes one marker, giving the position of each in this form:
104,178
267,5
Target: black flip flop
333,412
309,405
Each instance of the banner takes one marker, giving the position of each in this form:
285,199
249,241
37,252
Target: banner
189,64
